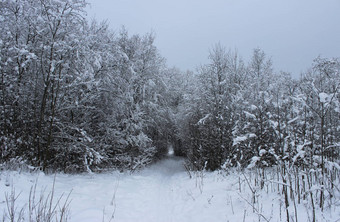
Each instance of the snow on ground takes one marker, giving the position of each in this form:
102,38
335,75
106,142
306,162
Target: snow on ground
161,193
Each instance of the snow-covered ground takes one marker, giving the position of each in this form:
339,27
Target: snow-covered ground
163,192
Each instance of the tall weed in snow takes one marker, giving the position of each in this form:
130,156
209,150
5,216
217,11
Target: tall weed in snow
304,194
12,214
40,208
197,173
113,204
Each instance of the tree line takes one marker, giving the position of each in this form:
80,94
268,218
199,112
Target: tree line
76,96
247,115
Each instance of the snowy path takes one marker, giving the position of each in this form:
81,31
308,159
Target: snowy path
144,196
161,193
152,193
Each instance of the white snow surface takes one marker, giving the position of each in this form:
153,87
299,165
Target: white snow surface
161,193
240,139
323,97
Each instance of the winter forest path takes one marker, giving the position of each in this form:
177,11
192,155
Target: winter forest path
163,192
152,193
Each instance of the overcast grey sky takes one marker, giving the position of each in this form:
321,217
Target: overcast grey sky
291,32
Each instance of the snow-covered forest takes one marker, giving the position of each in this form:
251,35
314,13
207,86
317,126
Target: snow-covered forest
77,97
